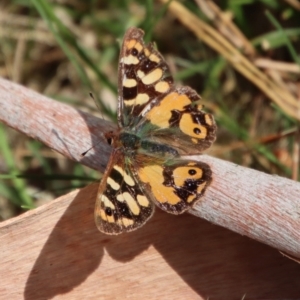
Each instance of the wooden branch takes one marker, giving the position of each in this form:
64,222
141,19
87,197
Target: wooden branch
56,249
67,130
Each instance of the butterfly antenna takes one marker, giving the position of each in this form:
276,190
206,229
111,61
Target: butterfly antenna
93,97
85,152
97,104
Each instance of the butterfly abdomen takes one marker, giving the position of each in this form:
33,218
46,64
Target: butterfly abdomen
153,148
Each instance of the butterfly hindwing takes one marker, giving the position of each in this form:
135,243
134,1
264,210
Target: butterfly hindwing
121,205
176,184
178,120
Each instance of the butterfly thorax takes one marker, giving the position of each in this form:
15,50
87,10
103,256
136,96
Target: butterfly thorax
131,143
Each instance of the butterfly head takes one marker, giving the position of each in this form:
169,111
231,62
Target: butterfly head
128,141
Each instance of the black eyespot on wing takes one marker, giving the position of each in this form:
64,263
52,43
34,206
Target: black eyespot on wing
134,52
108,211
197,131
192,171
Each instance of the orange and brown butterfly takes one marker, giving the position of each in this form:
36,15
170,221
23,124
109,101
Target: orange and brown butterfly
157,124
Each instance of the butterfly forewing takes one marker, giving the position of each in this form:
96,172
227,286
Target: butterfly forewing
121,205
143,76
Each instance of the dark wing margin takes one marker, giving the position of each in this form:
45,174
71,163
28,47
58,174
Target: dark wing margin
121,205
143,76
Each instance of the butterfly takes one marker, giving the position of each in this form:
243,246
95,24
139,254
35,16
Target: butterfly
158,123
